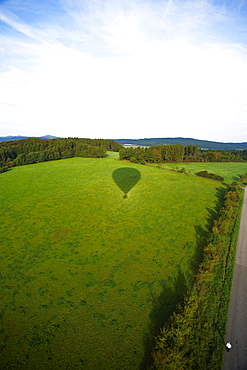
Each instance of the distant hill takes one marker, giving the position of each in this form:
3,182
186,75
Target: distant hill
202,144
13,138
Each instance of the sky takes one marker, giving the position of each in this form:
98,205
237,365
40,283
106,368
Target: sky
124,69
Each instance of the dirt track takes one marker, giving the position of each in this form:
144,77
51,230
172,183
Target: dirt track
236,332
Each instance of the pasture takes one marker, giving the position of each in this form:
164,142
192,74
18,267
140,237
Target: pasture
231,171
95,254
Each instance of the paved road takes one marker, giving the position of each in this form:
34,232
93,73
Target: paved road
236,332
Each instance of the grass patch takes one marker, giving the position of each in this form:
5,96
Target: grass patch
88,276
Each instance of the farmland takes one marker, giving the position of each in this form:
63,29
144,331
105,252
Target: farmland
95,255
230,171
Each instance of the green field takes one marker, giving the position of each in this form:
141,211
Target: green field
231,171
95,254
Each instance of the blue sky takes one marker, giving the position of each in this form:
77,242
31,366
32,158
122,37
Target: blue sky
124,69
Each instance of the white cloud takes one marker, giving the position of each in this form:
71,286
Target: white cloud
143,69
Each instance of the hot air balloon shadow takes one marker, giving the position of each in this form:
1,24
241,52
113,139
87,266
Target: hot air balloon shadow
126,178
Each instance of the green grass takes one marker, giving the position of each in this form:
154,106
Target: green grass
230,171
89,274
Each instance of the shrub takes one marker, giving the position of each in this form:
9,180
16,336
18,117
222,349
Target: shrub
3,169
133,159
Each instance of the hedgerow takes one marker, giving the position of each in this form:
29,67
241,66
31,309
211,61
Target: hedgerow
210,175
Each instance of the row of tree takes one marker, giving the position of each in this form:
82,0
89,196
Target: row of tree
28,151
153,154
210,175
179,153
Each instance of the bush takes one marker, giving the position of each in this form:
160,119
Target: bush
243,179
4,169
133,159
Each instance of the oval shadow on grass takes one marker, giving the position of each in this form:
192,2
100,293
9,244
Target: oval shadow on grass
126,178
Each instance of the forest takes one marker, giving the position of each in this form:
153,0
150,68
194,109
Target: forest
33,150
179,153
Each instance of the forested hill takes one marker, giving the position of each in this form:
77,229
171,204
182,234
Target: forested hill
202,144
14,138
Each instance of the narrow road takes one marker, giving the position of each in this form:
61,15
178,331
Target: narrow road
236,331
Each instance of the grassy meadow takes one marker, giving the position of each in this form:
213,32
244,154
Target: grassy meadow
95,254
231,171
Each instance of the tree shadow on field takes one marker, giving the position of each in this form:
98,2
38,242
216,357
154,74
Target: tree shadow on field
163,307
126,178
172,296
203,234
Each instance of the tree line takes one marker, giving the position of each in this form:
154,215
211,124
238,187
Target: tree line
179,153
31,150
